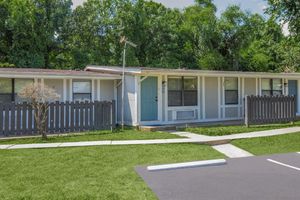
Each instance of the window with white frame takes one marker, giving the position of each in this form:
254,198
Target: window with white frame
19,84
271,87
182,91
6,90
82,91
9,89
231,91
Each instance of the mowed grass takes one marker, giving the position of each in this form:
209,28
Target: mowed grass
127,134
88,172
220,130
271,145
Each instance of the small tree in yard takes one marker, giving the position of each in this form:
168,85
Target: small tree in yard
39,95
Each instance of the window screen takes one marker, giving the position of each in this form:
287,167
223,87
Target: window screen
82,91
271,87
231,91
6,86
182,91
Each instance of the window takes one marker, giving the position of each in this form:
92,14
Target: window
231,91
6,89
9,89
182,91
271,87
19,85
82,91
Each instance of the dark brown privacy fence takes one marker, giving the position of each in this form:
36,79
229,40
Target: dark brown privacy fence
63,117
269,109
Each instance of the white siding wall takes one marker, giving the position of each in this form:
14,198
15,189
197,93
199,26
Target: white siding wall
106,90
130,116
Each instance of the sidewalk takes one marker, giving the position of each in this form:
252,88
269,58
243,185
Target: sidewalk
192,138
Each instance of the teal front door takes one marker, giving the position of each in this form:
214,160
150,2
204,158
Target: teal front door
293,89
149,99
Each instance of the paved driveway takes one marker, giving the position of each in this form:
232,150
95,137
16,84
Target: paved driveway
275,177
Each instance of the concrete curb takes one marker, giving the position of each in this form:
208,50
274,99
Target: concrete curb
203,163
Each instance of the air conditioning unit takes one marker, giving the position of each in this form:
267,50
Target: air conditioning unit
186,115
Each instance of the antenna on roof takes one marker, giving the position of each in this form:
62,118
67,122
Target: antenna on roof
124,41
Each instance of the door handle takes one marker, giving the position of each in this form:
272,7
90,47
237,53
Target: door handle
156,99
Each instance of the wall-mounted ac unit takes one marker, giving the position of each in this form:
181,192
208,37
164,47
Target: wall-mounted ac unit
186,115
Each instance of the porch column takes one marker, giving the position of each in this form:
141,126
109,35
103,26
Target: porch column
160,110
203,98
71,90
166,98
99,90
199,96
93,90
298,97
219,97
65,90
42,84
35,81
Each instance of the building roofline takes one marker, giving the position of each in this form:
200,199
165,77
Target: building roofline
161,71
53,74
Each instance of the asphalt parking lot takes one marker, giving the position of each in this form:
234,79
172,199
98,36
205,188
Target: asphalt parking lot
274,177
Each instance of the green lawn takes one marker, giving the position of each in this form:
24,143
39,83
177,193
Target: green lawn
88,172
270,145
128,134
220,130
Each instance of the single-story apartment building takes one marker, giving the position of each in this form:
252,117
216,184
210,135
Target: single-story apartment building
156,96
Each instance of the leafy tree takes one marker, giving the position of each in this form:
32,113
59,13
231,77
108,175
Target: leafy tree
287,11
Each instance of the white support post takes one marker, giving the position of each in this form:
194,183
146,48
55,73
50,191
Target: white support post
159,98
223,99
298,96
35,81
199,96
93,90
239,97
115,98
99,90
71,90
256,86
137,100
259,87
203,98
243,95
166,99
219,97
65,90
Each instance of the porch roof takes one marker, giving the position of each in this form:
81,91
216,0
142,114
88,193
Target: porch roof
53,73
179,72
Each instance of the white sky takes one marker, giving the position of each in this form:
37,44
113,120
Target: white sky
255,6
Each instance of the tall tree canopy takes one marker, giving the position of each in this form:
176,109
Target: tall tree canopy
50,34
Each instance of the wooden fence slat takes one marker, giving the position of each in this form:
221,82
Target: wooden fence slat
56,125
72,110
6,121
29,119
24,118
1,119
77,116
91,118
13,119
67,114
62,117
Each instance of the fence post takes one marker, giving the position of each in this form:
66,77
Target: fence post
112,114
246,111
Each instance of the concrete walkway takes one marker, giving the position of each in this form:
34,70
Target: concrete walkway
205,138
232,151
192,138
